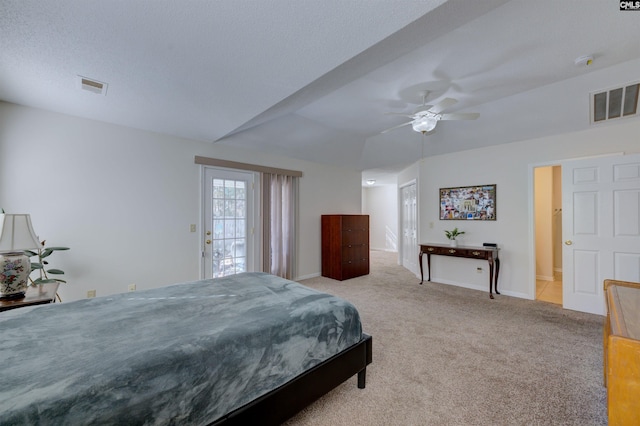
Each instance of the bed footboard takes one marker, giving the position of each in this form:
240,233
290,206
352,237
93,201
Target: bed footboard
280,404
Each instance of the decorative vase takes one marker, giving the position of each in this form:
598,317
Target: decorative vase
453,243
14,275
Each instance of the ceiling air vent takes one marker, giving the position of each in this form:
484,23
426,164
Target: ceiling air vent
615,103
92,86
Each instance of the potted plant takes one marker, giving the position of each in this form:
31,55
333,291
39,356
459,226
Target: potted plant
451,235
41,266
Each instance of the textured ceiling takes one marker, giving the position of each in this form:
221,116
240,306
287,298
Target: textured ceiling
312,80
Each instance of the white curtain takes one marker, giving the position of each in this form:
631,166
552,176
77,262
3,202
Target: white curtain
279,215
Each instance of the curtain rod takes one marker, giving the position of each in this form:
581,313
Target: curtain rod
206,161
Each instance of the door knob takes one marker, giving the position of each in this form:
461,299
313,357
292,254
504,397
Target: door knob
208,232
568,242
208,241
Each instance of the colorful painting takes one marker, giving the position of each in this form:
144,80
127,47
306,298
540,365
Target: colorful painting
468,203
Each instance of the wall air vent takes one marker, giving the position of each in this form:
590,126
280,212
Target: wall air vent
93,86
615,103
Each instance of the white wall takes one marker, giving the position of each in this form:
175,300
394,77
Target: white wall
507,166
123,199
381,204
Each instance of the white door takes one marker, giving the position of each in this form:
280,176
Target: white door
601,227
227,222
409,234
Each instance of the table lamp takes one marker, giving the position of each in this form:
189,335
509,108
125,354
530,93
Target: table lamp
16,235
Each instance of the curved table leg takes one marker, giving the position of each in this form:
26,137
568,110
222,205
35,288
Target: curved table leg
495,284
491,279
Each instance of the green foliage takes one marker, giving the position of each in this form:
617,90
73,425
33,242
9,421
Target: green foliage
41,265
453,233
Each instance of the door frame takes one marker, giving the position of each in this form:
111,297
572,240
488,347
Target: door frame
531,288
254,231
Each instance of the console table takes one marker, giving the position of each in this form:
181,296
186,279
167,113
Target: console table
488,253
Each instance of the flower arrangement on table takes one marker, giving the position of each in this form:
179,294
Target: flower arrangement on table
453,234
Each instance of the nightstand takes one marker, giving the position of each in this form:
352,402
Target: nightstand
35,295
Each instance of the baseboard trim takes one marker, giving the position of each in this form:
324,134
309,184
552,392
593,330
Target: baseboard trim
483,288
544,278
307,277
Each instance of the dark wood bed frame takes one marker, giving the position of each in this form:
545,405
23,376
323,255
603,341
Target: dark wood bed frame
284,402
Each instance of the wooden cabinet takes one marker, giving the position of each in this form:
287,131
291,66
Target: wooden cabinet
345,246
622,352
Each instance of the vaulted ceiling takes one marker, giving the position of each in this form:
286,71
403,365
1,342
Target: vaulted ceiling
313,79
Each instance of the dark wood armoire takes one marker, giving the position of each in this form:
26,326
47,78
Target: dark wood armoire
345,246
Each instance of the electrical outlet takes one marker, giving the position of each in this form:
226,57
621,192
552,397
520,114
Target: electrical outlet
91,293
479,270
132,287
192,227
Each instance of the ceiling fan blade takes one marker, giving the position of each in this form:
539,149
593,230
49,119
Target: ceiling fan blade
422,108
399,113
443,104
396,127
460,116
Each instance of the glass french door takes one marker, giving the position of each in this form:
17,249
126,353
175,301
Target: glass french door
228,222
409,235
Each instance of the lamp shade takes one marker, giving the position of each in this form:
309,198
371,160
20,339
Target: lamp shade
424,124
16,233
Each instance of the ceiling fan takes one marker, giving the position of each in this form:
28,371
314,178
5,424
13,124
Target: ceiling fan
425,117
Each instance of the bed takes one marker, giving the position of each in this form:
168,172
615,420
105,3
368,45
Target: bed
248,348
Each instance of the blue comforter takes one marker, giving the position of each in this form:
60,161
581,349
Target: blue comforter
183,354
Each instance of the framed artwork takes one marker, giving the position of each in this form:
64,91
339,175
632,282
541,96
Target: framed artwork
468,203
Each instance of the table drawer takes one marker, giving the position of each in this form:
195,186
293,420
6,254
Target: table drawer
457,251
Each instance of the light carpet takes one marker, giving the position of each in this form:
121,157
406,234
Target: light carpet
445,355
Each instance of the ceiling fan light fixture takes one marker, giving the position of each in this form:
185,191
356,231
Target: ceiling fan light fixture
424,124
425,118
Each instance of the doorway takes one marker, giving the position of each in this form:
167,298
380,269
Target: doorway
548,233
600,226
228,222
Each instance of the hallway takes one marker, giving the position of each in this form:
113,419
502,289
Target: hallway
550,291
